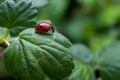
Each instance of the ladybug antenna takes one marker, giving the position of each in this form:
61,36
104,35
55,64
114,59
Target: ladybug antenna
52,29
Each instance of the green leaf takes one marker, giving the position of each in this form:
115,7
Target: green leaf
81,72
17,14
82,59
1,1
2,30
98,42
15,31
83,28
81,53
87,3
108,62
39,3
109,15
54,11
33,55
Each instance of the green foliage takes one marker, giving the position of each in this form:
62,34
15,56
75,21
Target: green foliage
2,30
87,3
83,20
81,53
82,28
1,1
108,61
99,42
95,23
53,11
17,14
15,31
28,55
83,58
34,55
39,3
82,72
109,15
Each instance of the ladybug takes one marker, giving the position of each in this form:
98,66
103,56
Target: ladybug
44,27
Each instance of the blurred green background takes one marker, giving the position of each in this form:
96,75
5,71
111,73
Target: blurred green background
94,23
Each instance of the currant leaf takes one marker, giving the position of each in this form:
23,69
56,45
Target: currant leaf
81,53
83,58
108,61
81,72
39,3
35,55
17,14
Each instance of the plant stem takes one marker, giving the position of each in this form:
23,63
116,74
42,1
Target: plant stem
6,42
5,34
3,40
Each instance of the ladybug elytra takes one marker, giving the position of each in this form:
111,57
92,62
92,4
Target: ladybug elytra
44,27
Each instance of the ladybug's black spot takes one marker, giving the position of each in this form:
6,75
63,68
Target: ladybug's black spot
41,27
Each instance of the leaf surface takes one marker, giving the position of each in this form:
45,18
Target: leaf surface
81,72
17,14
81,53
108,61
32,55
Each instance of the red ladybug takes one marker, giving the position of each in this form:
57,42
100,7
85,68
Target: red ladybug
44,27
